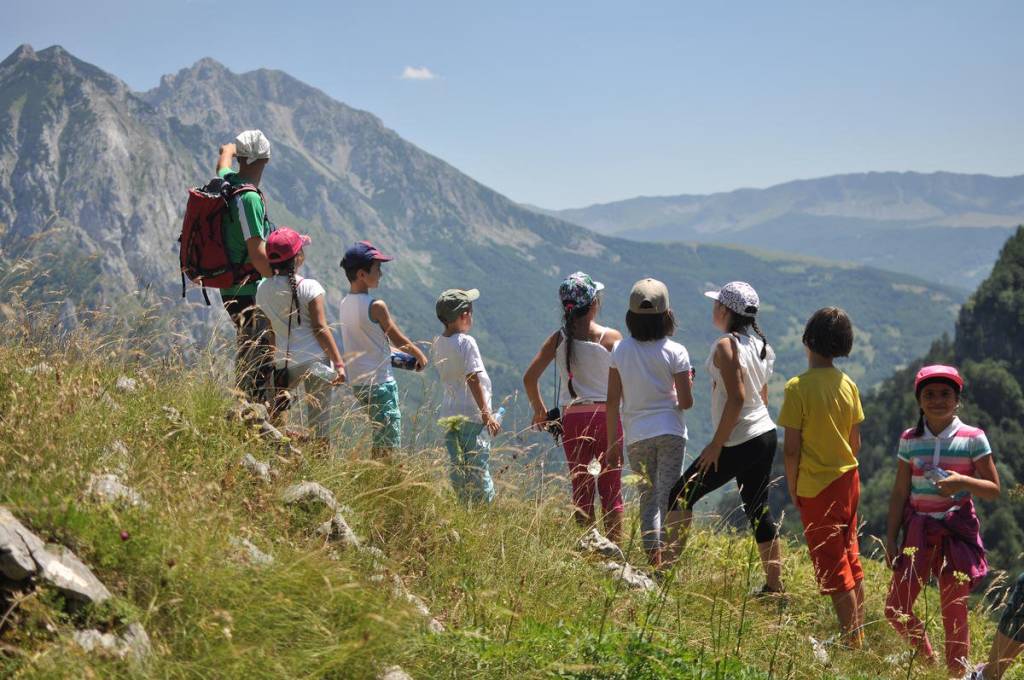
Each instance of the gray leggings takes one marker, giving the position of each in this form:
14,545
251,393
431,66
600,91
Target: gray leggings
317,399
659,463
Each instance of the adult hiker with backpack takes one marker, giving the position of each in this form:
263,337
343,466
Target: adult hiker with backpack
223,245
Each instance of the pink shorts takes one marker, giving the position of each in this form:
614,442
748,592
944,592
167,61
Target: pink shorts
585,438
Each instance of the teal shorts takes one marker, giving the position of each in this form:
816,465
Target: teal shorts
469,453
1011,624
381,402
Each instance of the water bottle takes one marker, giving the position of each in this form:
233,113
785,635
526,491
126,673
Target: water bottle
403,360
323,372
498,416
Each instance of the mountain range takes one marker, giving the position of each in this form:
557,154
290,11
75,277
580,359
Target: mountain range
942,226
93,181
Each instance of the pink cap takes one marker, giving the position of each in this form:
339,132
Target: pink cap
938,372
284,243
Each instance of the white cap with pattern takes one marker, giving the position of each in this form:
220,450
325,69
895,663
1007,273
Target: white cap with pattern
737,296
252,145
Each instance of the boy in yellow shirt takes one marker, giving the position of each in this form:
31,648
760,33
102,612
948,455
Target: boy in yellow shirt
822,414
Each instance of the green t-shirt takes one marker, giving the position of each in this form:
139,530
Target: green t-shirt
247,218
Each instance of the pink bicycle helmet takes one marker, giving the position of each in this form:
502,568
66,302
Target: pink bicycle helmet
938,373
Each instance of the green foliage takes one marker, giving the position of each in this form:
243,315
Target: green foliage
989,350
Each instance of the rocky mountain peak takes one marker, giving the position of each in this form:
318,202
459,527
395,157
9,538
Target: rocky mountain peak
23,52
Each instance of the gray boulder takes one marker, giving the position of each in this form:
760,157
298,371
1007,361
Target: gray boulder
180,422
109,489
244,411
632,577
126,384
337,530
16,546
309,494
399,591
258,470
40,369
593,542
132,644
23,555
394,673
249,552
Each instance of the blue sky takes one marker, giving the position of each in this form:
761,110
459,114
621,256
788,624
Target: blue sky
563,104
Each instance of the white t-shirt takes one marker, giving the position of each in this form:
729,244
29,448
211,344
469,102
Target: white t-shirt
647,370
754,417
274,297
457,357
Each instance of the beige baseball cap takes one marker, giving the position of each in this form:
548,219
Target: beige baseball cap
649,296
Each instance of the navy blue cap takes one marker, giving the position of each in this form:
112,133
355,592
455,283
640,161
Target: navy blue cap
361,254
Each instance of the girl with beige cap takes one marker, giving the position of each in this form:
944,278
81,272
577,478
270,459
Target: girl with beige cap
651,377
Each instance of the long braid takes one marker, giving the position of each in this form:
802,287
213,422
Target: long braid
295,291
568,323
288,268
919,430
764,340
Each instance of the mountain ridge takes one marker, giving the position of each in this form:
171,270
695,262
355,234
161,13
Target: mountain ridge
111,168
950,224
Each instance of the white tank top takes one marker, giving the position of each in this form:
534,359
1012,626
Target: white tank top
366,350
754,417
590,364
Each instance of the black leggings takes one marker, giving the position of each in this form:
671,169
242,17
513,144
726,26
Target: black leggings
750,463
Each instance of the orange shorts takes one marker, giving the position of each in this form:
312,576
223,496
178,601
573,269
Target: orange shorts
830,527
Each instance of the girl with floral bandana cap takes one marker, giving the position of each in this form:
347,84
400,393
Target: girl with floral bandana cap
581,350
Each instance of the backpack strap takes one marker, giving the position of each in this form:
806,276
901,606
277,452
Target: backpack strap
232,191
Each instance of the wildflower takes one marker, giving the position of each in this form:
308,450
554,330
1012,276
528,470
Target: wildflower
961,577
910,551
452,423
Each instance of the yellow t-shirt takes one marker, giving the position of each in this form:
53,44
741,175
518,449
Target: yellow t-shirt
824,404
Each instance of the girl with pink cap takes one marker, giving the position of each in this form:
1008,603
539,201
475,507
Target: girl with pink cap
302,338
942,464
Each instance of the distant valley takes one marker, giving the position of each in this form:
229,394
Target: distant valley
944,227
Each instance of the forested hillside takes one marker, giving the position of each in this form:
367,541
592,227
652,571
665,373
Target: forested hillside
988,348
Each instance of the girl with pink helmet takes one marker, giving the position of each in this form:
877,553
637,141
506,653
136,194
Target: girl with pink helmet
942,464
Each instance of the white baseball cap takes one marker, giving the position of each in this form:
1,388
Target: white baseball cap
252,145
737,296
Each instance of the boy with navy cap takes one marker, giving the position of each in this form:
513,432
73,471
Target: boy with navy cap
368,332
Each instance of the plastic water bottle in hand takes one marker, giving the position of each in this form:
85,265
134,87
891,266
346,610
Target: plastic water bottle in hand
403,360
498,416
323,372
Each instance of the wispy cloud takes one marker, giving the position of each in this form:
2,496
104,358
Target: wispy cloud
418,73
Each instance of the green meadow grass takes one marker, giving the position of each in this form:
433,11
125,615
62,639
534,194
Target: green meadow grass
516,598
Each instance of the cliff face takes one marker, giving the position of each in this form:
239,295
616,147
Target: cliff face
93,181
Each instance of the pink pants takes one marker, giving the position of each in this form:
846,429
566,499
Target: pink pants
953,594
585,438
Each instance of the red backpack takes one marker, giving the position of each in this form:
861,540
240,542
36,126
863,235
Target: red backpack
204,255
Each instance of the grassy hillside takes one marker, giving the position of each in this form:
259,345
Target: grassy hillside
514,596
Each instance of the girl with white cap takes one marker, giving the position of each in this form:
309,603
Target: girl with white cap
745,438
581,350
